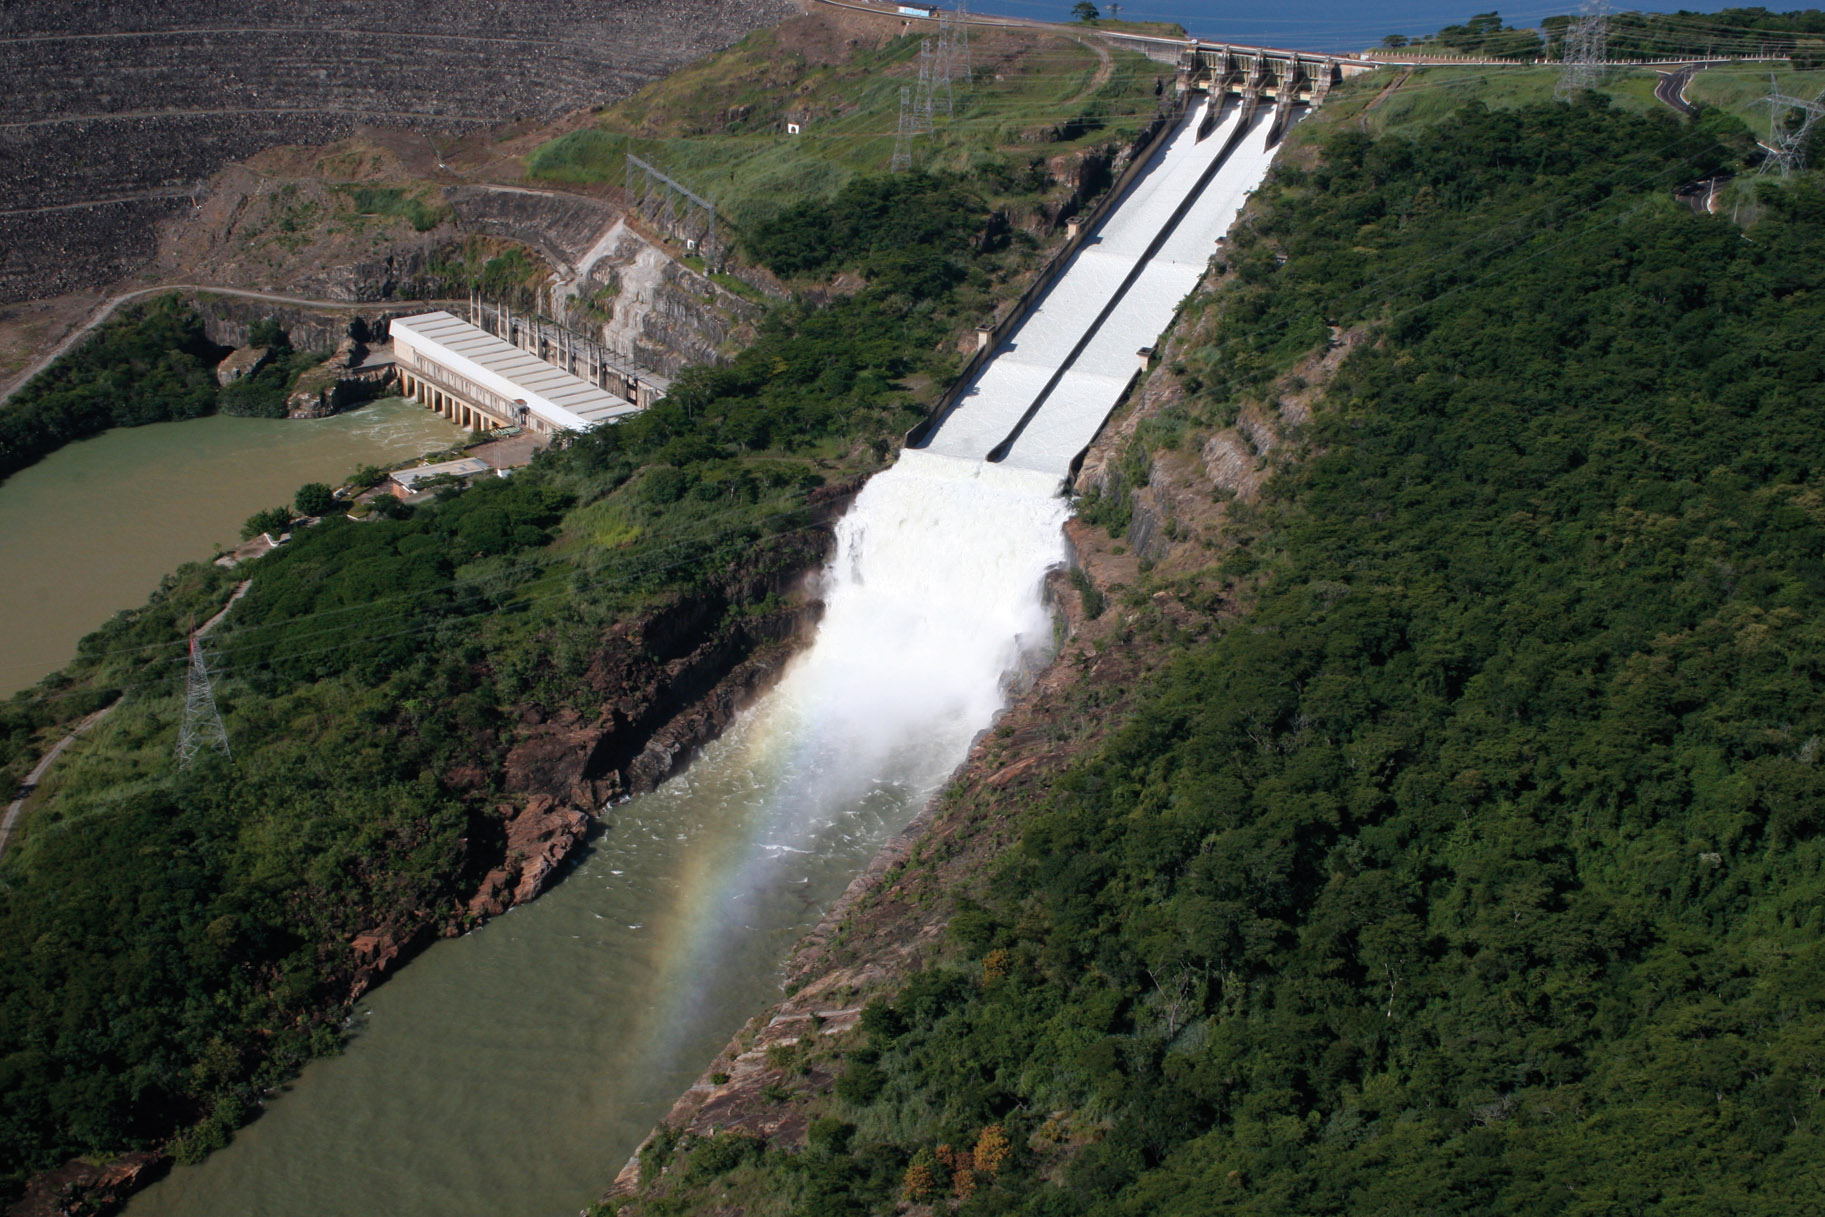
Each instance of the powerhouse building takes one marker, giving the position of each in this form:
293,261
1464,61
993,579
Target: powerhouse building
479,381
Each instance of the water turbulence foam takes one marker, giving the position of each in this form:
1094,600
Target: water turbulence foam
933,603
515,1069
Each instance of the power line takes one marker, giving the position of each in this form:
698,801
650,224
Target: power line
659,198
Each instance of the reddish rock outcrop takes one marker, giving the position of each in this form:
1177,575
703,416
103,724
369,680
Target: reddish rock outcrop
376,951
666,684
539,837
80,1186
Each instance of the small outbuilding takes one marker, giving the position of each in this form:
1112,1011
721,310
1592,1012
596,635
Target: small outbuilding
405,483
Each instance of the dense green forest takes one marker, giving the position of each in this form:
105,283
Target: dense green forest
1731,32
172,943
150,364
1484,36
1478,867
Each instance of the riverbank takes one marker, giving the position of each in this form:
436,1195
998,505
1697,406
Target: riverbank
93,528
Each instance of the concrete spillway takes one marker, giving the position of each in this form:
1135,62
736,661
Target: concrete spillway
1039,402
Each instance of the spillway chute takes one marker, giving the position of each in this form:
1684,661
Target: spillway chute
1046,392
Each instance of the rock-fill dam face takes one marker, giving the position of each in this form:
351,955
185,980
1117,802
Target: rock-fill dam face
114,112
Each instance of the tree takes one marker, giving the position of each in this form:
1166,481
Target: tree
1395,41
273,519
1083,10
315,499
267,332
386,507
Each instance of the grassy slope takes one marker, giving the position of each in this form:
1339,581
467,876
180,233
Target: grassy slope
1742,89
718,126
1436,93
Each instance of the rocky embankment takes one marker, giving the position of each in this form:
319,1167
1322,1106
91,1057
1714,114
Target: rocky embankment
119,113
663,684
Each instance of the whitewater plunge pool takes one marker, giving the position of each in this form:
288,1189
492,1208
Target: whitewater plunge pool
514,1070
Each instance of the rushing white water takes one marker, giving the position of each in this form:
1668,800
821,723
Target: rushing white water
513,1070
933,601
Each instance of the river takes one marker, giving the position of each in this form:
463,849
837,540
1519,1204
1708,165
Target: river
91,529
513,1071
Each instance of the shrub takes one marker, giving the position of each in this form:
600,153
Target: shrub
315,499
273,520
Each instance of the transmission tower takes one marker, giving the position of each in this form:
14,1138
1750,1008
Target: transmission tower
1786,139
946,61
202,721
902,144
922,100
960,41
1586,47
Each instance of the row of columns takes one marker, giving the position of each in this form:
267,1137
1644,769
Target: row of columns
1260,73
591,362
439,401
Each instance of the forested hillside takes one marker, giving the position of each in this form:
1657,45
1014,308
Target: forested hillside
1473,864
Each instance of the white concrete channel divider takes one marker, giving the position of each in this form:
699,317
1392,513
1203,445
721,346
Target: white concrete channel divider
1053,381
1094,381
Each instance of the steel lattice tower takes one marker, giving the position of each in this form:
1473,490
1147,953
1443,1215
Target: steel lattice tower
943,58
960,40
922,100
1786,143
1586,47
202,721
902,144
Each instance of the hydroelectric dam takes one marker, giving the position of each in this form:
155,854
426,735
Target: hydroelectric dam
514,1070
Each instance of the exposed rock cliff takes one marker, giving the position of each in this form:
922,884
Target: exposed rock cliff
668,682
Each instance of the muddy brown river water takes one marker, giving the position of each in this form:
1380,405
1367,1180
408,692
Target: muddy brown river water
91,529
514,1070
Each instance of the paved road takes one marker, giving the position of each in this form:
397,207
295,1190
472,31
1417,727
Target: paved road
41,768
1671,87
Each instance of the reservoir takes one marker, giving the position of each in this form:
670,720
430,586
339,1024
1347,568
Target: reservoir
91,529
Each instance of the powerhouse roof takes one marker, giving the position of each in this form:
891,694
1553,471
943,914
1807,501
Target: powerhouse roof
559,397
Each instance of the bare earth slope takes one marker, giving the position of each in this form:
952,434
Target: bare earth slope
112,115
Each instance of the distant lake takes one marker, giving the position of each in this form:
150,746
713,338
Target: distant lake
1313,25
